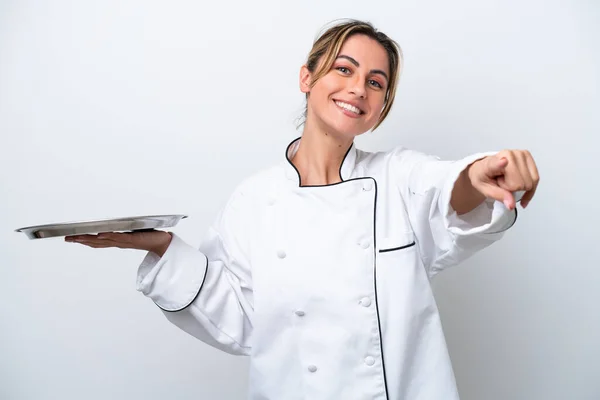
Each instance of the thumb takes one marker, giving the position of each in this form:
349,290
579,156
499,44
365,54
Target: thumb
495,166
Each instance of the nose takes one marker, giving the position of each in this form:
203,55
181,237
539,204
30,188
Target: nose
357,87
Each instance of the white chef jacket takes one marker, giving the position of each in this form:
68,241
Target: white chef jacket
327,288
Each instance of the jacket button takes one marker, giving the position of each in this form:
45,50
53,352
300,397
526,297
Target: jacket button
369,361
368,186
365,244
312,368
365,302
281,254
300,313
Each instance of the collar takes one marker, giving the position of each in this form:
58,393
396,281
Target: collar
292,174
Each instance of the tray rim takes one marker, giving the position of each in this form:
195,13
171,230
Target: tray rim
118,219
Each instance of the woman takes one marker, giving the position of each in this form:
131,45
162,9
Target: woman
319,268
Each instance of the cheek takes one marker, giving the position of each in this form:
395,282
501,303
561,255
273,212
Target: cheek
377,104
320,96
328,85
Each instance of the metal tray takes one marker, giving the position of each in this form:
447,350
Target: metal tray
129,224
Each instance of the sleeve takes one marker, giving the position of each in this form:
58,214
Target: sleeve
206,291
444,237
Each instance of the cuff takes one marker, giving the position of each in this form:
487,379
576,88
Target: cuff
174,280
489,217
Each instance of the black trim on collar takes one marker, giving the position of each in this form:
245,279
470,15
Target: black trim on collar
287,149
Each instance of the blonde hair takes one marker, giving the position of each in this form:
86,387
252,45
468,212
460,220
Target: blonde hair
327,47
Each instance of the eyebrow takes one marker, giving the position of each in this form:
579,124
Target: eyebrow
373,71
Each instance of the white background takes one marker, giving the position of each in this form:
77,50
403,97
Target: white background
119,108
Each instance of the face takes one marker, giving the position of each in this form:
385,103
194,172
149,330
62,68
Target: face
348,100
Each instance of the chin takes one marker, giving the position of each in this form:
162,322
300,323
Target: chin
343,132
344,128
348,131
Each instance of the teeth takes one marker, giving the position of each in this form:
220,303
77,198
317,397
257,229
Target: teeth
348,107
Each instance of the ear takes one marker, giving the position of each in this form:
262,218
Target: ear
305,78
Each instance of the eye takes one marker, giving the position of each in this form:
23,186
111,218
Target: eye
343,70
375,83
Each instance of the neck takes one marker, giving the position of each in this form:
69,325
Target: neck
320,156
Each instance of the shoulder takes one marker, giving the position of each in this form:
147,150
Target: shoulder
396,157
256,184
256,187
244,203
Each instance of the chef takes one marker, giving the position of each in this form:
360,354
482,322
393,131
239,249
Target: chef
319,267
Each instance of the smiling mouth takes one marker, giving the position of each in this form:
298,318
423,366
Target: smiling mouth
348,107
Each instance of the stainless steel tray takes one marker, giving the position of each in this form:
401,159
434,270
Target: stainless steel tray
130,224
